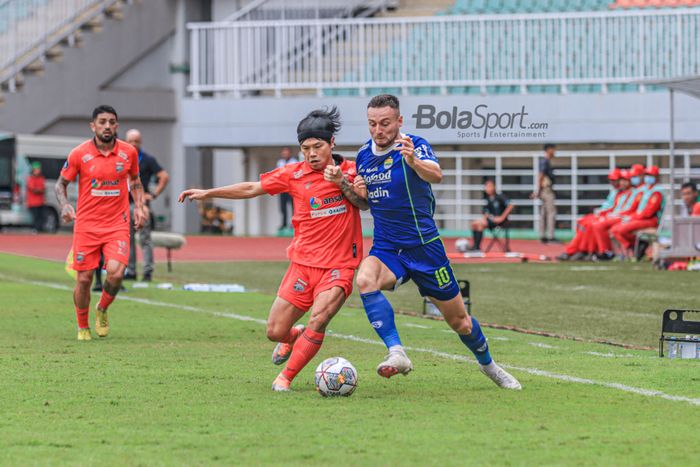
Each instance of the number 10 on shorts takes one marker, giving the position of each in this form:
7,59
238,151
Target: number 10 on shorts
442,276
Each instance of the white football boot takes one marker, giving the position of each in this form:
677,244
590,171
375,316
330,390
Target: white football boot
501,377
396,362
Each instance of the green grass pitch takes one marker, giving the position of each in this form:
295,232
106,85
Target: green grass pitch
184,377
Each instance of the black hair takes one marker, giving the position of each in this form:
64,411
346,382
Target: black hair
550,145
384,100
321,124
102,109
690,185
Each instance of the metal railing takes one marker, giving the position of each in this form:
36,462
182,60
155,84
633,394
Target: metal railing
29,28
580,182
271,10
561,50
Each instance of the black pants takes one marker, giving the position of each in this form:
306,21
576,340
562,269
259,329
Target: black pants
37,218
285,200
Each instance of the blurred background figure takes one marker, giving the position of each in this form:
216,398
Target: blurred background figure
497,208
149,168
36,190
545,192
285,199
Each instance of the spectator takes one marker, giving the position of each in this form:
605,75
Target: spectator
497,208
36,189
647,215
691,203
545,192
689,194
285,198
148,168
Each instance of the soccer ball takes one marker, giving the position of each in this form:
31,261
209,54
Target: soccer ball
336,377
462,245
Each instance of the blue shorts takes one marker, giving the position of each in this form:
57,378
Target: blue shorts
427,265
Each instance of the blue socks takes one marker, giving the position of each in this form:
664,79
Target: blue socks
381,317
476,342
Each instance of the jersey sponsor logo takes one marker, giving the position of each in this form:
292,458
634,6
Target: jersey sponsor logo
377,324
378,193
315,203
335,274
308,185
103,193
95,183
380,177
333,199
120,166
388,162
87,158
370,170
298,174
123,155
329,211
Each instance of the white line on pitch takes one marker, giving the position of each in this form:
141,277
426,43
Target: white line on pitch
433,352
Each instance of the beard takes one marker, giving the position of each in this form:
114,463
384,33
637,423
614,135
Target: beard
106,139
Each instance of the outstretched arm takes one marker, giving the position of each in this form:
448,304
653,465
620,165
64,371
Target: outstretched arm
243,190
61,190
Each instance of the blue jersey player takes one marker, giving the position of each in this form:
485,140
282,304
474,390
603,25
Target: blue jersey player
397,171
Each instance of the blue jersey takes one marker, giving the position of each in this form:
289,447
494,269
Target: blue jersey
401,203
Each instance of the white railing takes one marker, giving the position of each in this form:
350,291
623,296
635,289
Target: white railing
28,28
555,49
271,10
581,182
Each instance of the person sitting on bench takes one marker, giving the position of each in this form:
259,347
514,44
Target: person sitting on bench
497,208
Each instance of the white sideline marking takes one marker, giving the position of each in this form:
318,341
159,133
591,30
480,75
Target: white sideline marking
419,326
610,355
542,346
590,268
433,352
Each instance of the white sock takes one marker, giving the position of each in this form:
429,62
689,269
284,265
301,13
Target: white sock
397,348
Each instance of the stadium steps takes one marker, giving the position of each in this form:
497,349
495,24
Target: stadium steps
90,20
59,87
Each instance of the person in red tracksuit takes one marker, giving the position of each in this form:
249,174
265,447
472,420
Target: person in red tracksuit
583,242
647,215
601,228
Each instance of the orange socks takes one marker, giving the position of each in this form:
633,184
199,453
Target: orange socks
82,315
305,348
105,300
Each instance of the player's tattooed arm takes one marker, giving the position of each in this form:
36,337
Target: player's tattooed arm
61,190
355,198
137,194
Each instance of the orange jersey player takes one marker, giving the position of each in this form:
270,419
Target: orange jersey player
106,168
327,244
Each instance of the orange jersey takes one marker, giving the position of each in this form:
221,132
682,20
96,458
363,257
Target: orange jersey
327,228
103,188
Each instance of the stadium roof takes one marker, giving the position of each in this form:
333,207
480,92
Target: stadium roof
687,84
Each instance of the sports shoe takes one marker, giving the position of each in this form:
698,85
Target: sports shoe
396,362
281,384
101,322
283,349
84,334
501,377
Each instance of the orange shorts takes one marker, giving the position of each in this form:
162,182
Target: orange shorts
301,284
87,247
